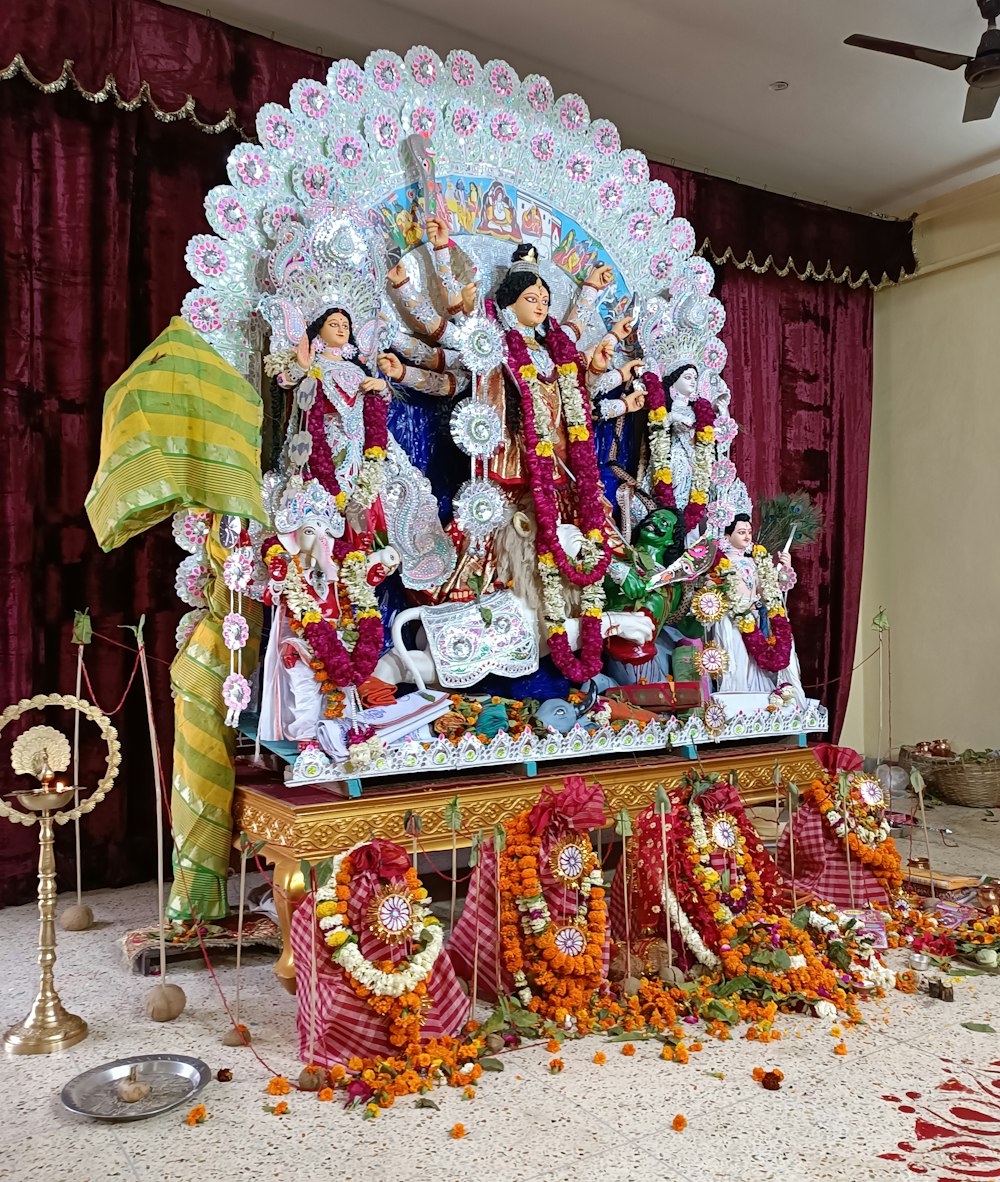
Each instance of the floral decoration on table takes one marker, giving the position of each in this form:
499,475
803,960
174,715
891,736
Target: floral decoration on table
853,805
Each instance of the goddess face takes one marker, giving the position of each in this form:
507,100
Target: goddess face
742,536
336,330
532,306
686,384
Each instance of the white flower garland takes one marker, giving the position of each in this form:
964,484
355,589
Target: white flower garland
740,604
348,954
689,934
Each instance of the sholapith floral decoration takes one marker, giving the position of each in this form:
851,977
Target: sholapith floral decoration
554,564
557,967
854,807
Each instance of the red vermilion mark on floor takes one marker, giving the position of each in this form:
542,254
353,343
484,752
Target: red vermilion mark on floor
955,1142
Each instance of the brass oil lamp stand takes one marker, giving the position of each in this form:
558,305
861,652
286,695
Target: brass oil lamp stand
48,1027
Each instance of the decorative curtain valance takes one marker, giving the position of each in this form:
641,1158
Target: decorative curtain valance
187,66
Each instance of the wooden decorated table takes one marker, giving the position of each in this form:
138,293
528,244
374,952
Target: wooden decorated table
314,822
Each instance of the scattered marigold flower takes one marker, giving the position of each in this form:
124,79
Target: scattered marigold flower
667,1053
469,1093
695,1046
372,1111
835,1031
196,1116
771,1081
457,1132
556,1065
679,1123
680,1053
337,1072
628,1049
354,1064
224,1075
280,1108
758,1073
279,1086
778,1073
325,1094
840,1049
600,1058
553,1046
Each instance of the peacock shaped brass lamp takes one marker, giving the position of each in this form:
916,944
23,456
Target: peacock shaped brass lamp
43,752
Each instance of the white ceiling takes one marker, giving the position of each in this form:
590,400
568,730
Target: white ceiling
688,80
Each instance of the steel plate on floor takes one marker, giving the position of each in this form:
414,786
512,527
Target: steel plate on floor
173,1080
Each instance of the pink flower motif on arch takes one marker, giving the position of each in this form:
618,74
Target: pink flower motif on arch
610,194
424,121
661,265
349,151
579,167
278,132
386,131
210,258
350,83
723,473
387,76
505,127
607,140
253,170
726,429
314,102
230,212
682,236
661,200
423,69
465,121
540,96
278,214
202,313
639,226
463,72
632,170
236,692
502,80
720,513
573,115
316,180
543,146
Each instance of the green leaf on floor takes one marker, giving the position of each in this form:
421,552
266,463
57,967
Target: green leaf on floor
979,1027
423,1102
491,1064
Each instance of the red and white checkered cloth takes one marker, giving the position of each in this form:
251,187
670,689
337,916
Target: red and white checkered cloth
475,938
343,1024
821,864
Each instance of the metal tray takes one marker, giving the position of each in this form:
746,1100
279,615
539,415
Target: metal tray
175,1079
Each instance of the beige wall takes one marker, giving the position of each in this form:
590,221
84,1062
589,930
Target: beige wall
932,547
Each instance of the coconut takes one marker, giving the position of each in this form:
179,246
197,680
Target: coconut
312,1078
165,1002
77,918
236,1036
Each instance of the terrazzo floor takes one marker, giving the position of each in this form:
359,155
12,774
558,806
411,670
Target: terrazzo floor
917,1095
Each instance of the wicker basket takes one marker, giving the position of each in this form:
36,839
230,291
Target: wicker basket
974,784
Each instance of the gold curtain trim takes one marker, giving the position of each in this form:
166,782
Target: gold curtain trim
827,275
110,91
187,111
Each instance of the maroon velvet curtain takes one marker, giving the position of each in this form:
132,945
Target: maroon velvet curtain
98,206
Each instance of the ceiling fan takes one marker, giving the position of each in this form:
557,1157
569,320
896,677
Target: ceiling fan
982,72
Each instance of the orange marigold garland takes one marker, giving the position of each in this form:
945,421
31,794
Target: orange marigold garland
859,819
557,968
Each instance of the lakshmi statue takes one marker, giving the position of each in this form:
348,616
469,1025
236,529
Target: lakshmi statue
754,630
